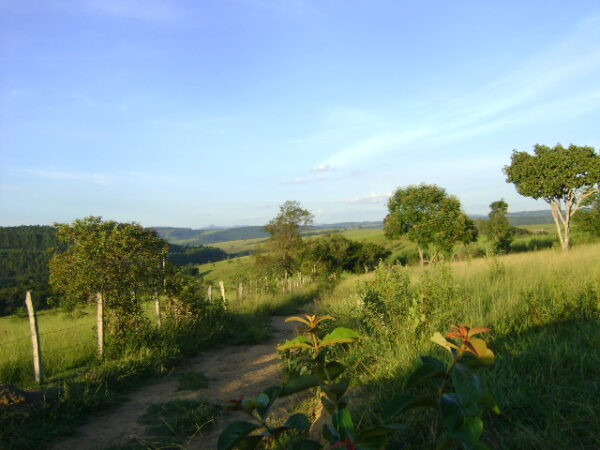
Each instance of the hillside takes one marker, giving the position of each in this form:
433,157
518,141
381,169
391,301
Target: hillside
214,235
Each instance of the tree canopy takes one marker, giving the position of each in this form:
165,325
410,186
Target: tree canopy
428,216
333,253
563,177
282,250
498,228
121,261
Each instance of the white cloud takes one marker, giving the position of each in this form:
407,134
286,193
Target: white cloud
321,168
374,146
370,199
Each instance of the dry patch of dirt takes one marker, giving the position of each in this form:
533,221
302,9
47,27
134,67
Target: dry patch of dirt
232,371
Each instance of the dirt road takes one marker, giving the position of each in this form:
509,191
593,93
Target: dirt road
232,371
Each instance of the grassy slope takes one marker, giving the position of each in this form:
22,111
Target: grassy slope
545,312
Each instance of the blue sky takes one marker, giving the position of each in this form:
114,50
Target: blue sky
190,113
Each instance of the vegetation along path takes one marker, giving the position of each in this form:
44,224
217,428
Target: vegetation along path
231,372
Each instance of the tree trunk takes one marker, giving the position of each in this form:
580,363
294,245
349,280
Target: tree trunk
421,256
562,224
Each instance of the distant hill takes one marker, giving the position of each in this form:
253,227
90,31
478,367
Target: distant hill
212,235
540,217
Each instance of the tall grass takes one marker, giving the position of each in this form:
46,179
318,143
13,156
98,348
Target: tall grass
544,309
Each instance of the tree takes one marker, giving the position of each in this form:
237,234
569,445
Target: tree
120,261
281,251
429,217
498,228
332,253
562,177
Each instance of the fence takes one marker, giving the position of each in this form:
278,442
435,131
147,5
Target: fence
52,334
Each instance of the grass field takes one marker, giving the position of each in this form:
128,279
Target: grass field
544,309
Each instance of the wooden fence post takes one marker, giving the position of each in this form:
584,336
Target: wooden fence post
240,292
222,287
38,366
157,307
209,293
100,323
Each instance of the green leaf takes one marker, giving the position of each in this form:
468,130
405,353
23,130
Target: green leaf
298,384
487,401
450,411
298,421
485,355
271,394
423,373
469,433
331,371
441,340
342,422
336,391
434,362
233,433
297,342
405,402
330,406
468,387
340,335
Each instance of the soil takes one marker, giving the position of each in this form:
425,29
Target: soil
232,371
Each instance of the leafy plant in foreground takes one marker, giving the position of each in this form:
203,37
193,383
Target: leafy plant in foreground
322,375
459,397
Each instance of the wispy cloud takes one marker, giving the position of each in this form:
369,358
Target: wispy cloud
370,199
564,80
374,146
322,168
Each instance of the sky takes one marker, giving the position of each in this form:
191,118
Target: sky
191,113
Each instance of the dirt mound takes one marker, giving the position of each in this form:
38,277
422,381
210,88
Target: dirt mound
11,395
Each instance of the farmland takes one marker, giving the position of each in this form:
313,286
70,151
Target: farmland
541,303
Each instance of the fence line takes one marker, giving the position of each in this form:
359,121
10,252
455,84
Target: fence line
70,328
45,333
14,340
254,288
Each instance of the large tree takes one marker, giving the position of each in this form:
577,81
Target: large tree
119,261
498,228
428,216
281,251
563,177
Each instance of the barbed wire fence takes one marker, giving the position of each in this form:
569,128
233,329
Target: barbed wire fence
40,342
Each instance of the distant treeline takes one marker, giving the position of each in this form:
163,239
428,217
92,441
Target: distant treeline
26,250
24,255
182,255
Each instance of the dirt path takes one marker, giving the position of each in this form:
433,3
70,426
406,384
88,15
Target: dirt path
232,371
